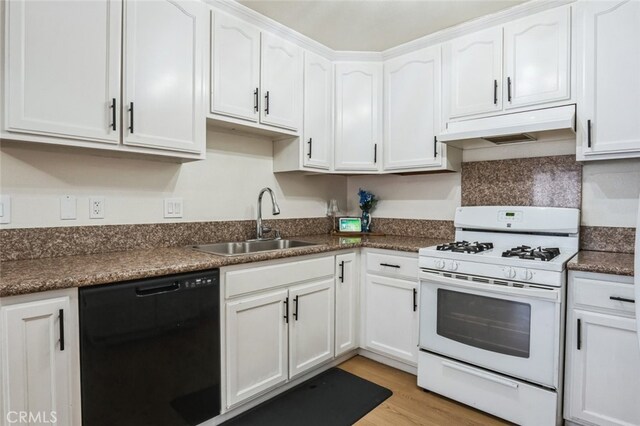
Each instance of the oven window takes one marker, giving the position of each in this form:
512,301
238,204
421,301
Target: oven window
497,325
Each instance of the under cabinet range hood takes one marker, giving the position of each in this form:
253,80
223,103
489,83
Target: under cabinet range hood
512,128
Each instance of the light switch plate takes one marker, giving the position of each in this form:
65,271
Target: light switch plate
5,209
173,208
68,207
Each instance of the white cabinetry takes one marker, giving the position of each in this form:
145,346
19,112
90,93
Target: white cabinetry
390,307
164,74
347,287
40,367
608,79
279,323
235,68
603,358
63,69
513,67
318,111
63,82
358,116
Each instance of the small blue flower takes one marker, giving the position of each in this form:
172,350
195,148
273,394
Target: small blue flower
368,201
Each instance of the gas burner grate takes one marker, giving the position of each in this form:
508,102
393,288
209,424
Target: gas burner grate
525,252
465,247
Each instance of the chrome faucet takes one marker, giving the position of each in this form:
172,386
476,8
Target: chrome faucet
260,229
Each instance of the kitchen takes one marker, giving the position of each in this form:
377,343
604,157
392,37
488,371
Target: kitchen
111,172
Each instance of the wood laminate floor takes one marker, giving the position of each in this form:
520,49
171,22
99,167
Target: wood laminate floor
409,404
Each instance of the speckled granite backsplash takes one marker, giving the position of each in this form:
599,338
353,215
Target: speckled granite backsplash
605,238
540,181
423,228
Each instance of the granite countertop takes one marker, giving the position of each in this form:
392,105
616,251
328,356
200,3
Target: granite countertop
30,276
602,262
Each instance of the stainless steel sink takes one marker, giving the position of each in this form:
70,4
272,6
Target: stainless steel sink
247,247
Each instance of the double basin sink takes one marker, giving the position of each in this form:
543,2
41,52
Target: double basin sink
248,247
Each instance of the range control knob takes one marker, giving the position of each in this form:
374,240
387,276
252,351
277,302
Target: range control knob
440,264
454,265
509,272
526,274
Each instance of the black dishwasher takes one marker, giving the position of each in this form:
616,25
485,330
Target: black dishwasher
150,351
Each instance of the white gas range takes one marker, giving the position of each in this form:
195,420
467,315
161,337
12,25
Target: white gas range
492,310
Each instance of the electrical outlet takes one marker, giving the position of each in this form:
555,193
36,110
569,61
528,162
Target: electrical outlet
68,208
96,207
5,209
172,208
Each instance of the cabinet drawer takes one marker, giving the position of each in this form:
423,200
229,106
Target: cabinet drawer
393,265
267,276
600,293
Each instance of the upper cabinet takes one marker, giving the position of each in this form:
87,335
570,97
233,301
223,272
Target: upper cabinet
63,75
235,68
473,65
412,111
512,67
358,116
256,77
608,79
318,111
164,74
537,54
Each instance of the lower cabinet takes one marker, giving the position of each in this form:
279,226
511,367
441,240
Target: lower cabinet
40,368
603,357
276,335
390,315
346,302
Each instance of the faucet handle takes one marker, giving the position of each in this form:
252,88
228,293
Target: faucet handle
266,229
277,237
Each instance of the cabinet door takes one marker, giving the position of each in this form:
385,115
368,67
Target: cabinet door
346,303
63,68
318,111
474,65
37,368
603,370
537,58
358,116
391,317
235,68
164,74
256,345
281,83
609,76
412,99
311,334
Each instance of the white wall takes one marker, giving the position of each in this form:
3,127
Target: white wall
609,196
223,187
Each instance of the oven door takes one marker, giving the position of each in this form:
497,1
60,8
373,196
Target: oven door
506,329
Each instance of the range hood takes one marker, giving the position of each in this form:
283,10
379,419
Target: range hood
512,128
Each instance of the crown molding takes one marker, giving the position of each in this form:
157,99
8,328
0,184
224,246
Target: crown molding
262,22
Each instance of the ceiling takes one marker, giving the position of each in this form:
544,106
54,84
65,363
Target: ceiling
373,25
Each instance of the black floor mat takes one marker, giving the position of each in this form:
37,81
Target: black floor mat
334,398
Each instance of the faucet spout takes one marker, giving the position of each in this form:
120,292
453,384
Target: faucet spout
260,230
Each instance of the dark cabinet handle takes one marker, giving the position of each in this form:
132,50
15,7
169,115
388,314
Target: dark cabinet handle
295,308
131,117
61,322
375,153
579,333
113,113
622,299
415,300
341,277
588,133
495,92
390,265
509,89
266,104
435,146
255,100
286,310
310,142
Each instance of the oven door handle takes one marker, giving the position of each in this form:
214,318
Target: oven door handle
534,293
482,375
